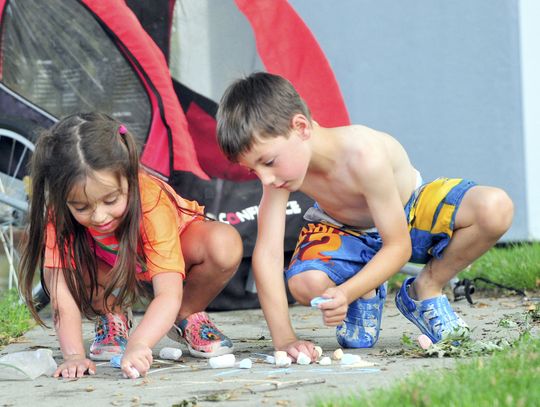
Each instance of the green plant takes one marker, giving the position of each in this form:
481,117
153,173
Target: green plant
15,319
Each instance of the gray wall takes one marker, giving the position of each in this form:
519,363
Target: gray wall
443,77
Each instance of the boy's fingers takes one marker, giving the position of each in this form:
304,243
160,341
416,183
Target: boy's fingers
333,313
334,319
327,305
305,349
311,352
293,352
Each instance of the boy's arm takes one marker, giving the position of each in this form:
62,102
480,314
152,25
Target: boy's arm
376,179
268,272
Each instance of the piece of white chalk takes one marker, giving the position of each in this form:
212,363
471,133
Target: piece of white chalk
284,362
303,359
278,354
318,349
221,362
170,353
325,361
424,341
245,364
270,359
319,300
338,354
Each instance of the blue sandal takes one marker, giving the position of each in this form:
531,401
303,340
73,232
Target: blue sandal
434,316
361,326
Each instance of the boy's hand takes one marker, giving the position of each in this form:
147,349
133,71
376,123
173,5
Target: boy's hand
137,357
334,311
75,366
298,346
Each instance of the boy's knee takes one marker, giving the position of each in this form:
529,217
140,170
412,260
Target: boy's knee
496,212
307,285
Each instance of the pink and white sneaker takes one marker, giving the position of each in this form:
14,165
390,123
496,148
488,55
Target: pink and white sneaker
203,338
112,331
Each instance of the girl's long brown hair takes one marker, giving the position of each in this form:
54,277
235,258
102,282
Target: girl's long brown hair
64,155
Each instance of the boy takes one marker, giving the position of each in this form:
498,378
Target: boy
372,215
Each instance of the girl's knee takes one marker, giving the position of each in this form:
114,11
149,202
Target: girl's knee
307,285
224,247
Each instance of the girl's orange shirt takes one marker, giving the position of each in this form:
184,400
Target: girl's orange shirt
161,228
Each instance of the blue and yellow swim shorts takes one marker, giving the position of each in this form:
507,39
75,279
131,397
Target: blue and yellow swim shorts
341,252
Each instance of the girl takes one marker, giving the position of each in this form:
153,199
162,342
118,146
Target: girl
106,232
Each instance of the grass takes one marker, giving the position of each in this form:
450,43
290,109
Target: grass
508,378
516,265
15,319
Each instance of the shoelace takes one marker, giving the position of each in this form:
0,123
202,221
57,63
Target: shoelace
116,325
200,325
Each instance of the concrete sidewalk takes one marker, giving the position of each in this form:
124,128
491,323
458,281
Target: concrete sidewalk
180,384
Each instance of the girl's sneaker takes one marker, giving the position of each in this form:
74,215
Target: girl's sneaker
112,331
203,338
362,324
434,316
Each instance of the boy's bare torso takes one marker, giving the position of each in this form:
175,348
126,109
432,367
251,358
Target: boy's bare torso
333,179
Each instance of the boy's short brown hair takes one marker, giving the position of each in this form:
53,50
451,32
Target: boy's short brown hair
258,106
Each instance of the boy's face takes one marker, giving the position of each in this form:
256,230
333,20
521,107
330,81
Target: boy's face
280,162
99,202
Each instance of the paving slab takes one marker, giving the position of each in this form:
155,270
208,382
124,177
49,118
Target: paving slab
191,381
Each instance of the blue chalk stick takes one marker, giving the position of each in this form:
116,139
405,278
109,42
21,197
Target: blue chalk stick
319,300
115,361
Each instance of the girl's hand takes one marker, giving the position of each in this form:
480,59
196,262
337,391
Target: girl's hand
306,347
75,366
334,311
137,360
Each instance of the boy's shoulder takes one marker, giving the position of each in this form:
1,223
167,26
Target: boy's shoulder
355,139
358,131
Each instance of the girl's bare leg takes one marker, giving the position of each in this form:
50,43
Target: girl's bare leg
212,252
